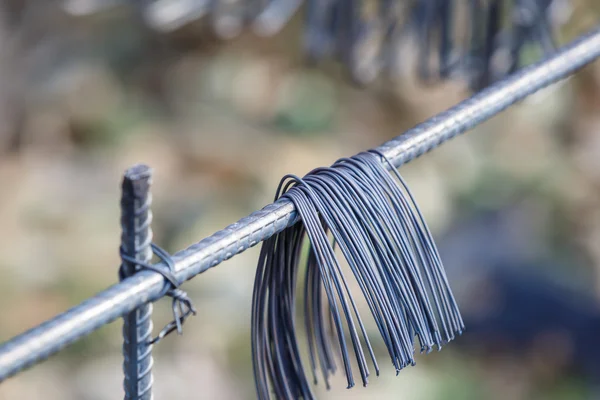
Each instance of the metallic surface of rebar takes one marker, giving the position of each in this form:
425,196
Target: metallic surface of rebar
136,237
49,337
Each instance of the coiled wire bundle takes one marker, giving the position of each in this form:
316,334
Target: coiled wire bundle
359,207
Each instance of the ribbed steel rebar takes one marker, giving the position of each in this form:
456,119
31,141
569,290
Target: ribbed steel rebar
49,337
136,238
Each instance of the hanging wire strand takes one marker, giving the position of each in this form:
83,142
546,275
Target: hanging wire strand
48,338
389,250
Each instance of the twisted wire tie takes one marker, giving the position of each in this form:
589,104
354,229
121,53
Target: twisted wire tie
182,305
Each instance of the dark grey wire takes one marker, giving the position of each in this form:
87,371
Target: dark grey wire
49,337
181,306
390,253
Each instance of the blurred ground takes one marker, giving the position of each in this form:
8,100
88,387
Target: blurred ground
515,204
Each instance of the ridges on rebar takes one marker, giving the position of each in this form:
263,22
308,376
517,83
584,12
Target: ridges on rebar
136,240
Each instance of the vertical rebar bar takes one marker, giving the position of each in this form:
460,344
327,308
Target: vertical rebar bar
136,238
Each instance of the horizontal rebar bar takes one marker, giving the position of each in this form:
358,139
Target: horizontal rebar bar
46,339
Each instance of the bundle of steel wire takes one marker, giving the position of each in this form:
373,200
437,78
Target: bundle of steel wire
356,205
479,41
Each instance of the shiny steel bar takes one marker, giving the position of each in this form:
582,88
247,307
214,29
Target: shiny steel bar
46,339
136,239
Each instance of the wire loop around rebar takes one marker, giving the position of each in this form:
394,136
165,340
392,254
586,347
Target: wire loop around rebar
182,305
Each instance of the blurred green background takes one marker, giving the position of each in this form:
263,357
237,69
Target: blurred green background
86,93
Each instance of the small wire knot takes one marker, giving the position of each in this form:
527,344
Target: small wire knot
182,305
